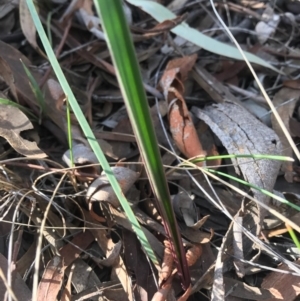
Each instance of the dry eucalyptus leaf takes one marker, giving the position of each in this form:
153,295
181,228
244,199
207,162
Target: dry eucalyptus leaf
101,190
285,102
12,122
245,291
52,279
20,288
241,133
84,277
27,26
283,286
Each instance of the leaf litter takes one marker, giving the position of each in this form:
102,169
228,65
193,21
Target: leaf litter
208,105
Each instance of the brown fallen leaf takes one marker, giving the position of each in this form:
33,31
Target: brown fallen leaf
217,91
206,137
28,27
160,28
72,251
137,262
66,294
186,294
181,124
240,289
13,73
293,84
283,286
19,287
294,126
107,245
52,279
285,111
12,122
162,293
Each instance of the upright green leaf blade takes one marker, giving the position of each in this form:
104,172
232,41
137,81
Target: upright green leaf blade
129,78
89,134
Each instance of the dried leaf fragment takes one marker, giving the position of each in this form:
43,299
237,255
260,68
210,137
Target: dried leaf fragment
167,264
181,124
282,286
51,281
101,190
12,122
285,102
193,254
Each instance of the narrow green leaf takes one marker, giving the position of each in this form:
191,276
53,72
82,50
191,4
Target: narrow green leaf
4,101
293,236
259,157
129,77
161,13
35,89
264,191
70,132
89,133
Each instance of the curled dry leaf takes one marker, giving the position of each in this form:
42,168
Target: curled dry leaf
186,294
162,293
285,101
52,279
12,122
167,264
112,257
181,124
101,190
196,236
193,254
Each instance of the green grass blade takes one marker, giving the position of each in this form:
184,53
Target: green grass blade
4,101
129,78
35,89
259,157
264,191
293,236
89,134
70,142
